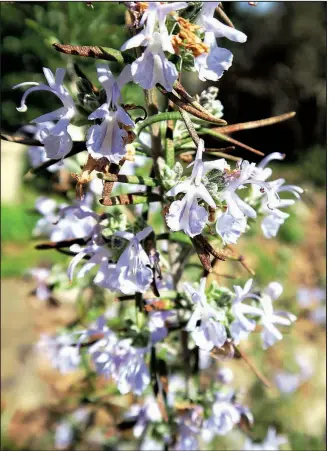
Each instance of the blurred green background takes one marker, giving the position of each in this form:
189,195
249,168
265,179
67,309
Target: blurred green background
281,68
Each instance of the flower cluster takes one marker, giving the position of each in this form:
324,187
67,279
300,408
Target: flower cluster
217,313
141,323
215,185
165,33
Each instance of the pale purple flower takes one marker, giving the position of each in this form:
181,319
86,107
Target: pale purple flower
270,334
176,386
288,382
276,187
108,138
37,154
41,276
132,272
225,375
144,414
129,369
210,332
189,427
63,222
242,326
204,359
63,435
245,174
307,297
152,66
157,324
99,255
186,214
56,138
61,351
319,315
271,223
270,205
271,443
210,24
212,64
230,228
225,415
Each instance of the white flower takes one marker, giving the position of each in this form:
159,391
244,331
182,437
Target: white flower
153,67
157,324
210,24
271,443
211,332
276,187
230,228
129,369
77,221
270,334
242,326
108,138
56,139
245,174
212,64
37,154
99,255
270,205
186,214
271,224
132,272
224,417
189,427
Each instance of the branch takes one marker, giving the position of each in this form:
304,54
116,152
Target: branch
255,124
211,132
132,179
169,115
251,365
130,199
104,53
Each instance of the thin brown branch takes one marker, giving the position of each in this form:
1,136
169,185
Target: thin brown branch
90,52
255,124
224,17
251,365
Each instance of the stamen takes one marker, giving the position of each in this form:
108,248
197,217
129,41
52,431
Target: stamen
188,39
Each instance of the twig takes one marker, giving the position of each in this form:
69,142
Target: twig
211,132
255,124
251,365
190,126
224,17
